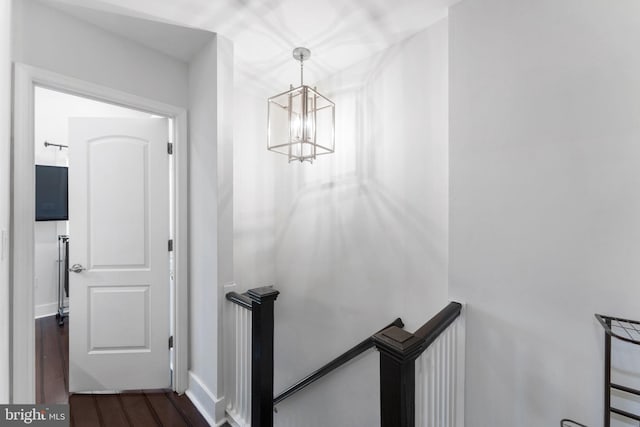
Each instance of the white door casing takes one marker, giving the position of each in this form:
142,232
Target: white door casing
23,211
119,225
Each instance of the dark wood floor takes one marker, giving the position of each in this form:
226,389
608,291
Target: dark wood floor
135,409
52,361
165,409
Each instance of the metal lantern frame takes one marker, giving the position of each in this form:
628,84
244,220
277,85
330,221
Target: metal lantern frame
301,109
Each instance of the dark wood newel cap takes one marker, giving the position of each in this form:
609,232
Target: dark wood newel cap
397,334
263,294
398,343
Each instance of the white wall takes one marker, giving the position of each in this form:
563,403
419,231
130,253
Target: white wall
545,213
253,192
361,235
5,161
49,39
51,119
210,220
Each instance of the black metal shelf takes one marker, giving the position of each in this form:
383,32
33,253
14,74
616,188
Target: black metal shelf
624,330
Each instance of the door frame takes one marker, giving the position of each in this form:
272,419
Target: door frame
23,213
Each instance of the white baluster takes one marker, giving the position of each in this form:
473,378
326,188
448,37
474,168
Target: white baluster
239,405
440,377
238,362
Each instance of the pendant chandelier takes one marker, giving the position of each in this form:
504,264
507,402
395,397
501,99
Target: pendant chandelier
301,121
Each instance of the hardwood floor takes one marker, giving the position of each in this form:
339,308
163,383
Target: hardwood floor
136,409
164,409
52,361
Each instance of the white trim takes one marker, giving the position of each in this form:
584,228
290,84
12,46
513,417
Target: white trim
461,366
181,248
232,421
22,242
23,331
204,401
46,310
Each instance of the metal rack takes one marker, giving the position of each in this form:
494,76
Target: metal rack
63,278
628,331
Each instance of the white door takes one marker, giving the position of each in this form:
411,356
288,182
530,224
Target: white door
119,229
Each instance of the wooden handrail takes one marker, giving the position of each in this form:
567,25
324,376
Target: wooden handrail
333,365
431,330
241,299
399,350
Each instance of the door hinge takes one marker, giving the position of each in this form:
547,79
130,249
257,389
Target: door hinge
170,245
170,147
171,341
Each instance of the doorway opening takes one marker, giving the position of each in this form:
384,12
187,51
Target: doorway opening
23,363
54,230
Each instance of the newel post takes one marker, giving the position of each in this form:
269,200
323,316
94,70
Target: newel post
262,300
399,350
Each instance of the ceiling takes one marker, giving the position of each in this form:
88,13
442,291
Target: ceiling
264,32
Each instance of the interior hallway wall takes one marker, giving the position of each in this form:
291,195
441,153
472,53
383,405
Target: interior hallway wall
210,220
545,213
50,39
5,191
361,235
253,192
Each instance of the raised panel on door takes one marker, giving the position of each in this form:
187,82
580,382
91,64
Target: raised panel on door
118,319
118,202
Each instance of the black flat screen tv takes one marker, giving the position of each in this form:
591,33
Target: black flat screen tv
52,193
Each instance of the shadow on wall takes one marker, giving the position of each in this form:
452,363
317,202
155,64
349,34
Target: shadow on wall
386,185
343,34
361,235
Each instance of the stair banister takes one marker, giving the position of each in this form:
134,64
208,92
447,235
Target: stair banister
399,350
345,357
260,302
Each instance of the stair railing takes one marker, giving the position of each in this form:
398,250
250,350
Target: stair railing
345,357
437,346
254,358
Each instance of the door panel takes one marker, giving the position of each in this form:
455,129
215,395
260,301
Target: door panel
118,332
118,227
118,204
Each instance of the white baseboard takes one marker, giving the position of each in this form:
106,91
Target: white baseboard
44,310
234,422
210,407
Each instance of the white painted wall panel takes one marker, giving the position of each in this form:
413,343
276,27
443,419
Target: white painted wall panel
47,38
545,213
203,218
5,159
253,192
210,219
361,235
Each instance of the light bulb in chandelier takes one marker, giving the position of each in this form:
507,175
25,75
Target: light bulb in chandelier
301,121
